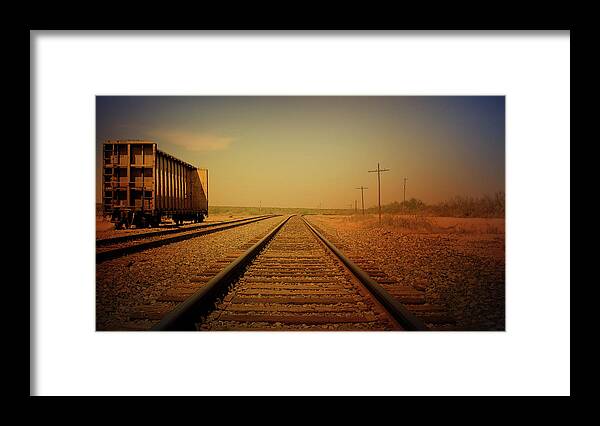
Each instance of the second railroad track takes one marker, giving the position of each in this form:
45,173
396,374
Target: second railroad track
112,248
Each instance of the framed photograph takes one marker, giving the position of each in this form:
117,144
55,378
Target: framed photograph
287,205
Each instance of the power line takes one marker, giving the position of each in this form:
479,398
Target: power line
379,186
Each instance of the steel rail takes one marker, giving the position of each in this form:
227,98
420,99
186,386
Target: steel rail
122,251
405,318
150,234
187,313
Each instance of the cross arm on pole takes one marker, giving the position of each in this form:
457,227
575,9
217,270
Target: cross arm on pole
379,170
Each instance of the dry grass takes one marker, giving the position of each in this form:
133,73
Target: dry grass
418,224
457,225
487,206
410,223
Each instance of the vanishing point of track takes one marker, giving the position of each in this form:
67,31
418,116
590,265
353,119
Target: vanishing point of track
292,279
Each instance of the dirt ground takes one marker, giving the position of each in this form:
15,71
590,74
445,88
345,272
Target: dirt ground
460,262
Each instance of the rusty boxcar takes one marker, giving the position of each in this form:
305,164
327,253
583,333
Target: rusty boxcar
142,184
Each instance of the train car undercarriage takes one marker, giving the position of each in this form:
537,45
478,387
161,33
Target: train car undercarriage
128,218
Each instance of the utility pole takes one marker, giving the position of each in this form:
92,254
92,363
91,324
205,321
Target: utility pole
379,186
362,197
404,203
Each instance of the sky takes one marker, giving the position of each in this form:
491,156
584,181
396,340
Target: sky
311,151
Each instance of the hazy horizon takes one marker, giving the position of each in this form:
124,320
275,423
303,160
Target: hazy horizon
306,152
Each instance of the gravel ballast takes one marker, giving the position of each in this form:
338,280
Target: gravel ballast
139,278
464,272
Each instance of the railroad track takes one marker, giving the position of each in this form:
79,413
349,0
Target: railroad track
111,248
292,279
411,295
172,229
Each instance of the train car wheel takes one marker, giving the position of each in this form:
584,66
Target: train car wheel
129,221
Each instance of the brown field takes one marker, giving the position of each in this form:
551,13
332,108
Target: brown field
458,262
423,224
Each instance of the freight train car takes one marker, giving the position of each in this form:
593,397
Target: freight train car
141,185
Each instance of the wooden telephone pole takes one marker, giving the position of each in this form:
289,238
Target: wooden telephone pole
404,203
362,197
379,186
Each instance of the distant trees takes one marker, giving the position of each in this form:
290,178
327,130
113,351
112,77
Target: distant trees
486,206
413,205
410,206
459,206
